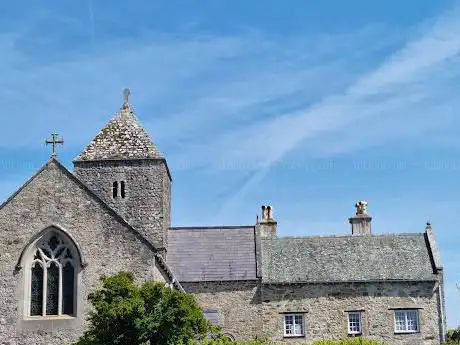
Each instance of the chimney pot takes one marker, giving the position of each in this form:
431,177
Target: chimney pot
267,225
361,221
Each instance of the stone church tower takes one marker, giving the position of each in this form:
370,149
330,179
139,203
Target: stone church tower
127,171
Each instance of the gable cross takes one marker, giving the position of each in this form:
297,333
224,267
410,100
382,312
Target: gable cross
55,140
126,93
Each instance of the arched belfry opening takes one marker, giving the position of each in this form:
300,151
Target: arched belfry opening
115,189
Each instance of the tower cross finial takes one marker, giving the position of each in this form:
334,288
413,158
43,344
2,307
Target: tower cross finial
126,94
55,140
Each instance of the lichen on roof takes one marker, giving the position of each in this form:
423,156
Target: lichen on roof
122,138
347,259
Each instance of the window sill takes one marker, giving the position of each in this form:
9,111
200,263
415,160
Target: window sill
49,317
35,323
407,332
294,336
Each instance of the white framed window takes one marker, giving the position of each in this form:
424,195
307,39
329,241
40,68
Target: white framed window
406,321
293,325
51,278
354,323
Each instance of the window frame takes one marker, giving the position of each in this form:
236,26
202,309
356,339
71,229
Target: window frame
406,312
360,322
301,323
30,262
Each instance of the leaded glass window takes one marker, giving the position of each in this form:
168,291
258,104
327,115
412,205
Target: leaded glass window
52,290
52,283
68,274
36,294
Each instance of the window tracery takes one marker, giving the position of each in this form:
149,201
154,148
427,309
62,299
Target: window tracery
52,283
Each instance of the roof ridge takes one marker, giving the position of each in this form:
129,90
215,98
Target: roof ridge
223,227
402,234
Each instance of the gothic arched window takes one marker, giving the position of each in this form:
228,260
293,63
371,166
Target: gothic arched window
52,277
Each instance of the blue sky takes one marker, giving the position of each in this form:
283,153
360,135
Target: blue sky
305,105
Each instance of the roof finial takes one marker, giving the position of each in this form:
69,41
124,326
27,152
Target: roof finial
126,94
55,140
361,207
428,226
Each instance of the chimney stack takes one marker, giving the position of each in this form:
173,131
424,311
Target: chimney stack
361,221
267,225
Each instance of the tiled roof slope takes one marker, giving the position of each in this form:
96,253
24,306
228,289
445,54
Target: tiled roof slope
347,258
212,254
122,138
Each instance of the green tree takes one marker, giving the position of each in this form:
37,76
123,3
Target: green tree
348,341
125,313
453,336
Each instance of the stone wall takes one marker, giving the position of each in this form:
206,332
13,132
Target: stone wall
237,302
247,309
325,305
146,205
107,245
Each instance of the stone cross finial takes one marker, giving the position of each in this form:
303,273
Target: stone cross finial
55,140
126,93
361,207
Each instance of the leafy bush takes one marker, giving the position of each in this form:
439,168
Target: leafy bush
147,314
348,341
453,337
221,341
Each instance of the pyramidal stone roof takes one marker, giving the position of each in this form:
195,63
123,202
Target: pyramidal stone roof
122,138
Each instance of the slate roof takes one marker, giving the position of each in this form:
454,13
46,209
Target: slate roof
122,138
347,259
212,254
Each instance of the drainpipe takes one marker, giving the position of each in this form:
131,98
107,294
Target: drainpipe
441,310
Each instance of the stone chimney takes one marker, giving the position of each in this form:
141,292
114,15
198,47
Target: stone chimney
265,229
267,225
361,221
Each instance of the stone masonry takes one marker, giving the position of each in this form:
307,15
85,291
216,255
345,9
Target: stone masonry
114,211
146,204
325,307
248,308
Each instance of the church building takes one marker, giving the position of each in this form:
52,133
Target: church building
63,230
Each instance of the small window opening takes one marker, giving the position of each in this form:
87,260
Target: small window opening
123,189
354,323
115,189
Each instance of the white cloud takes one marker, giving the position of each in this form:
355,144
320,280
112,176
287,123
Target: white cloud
81,91
396,90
